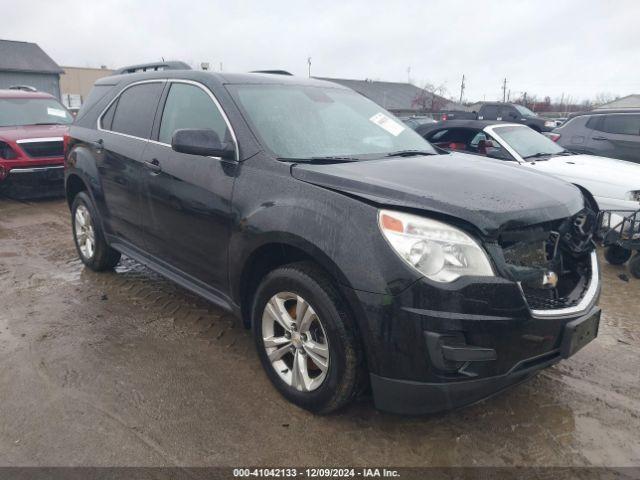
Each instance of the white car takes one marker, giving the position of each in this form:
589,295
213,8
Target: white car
615,184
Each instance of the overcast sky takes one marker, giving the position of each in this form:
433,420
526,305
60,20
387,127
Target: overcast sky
580,48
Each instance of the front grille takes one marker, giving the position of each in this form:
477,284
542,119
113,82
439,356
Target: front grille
53,148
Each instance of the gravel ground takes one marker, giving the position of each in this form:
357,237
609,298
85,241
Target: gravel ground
125,368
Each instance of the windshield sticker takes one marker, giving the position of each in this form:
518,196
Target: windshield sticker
391,126
56,112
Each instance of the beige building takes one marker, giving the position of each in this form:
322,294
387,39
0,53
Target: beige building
76,83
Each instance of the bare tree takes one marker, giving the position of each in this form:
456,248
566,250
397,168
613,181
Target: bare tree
431,98
604,97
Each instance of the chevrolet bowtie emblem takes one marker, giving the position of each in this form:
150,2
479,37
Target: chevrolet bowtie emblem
549,279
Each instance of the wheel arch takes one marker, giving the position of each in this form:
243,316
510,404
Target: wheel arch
273,252
74,184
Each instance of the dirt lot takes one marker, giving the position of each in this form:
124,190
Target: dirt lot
125,368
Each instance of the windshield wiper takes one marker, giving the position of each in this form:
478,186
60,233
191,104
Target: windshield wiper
538,155
320,160
47,123
409,153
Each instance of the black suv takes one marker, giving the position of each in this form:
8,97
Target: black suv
358,257
514,113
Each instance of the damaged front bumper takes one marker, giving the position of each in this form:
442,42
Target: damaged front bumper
436,347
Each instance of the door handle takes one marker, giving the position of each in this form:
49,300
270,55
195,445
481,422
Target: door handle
153,165
598,138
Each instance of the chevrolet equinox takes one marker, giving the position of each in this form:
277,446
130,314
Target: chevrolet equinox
360,260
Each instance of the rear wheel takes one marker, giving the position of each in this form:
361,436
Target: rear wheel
91,245
617,255
634,265
306,338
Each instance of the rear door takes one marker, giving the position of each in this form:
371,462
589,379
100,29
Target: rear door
124,128
616,135
188,197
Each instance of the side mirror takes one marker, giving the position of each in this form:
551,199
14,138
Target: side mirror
203,142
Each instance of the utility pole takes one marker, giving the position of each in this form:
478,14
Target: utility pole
524,99
309,64
461,88
409,74
504,90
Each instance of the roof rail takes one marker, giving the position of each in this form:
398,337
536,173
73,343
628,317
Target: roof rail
24,88
273,72
152,67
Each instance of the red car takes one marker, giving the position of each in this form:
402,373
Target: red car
32,126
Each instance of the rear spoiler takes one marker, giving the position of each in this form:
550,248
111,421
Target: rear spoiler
152,67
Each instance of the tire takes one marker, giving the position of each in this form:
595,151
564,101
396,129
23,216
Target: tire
332,327
617,255
634,265
100,256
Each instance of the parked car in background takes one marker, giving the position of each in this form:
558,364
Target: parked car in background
505,112
608,133
337,234
614,184
415,121
32,126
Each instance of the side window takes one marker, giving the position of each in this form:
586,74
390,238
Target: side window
594,123
188,106
107,118
136,109
480,137
491,148
622,124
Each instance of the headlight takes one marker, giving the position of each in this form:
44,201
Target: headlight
549,124
634,196
438,251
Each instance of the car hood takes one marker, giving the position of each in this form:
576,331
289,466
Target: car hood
603,177
491,196
22,132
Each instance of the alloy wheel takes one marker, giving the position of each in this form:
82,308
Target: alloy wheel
295,341
85,235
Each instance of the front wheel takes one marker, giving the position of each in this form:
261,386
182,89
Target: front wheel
91,245
306,338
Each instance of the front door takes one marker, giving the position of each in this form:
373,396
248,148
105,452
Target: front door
187,197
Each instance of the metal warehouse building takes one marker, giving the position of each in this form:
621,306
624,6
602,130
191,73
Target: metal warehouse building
24,63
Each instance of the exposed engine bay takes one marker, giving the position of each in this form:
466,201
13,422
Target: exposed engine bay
552,261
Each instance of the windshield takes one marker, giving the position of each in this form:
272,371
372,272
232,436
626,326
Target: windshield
302,122
525,111
528,142
32,111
